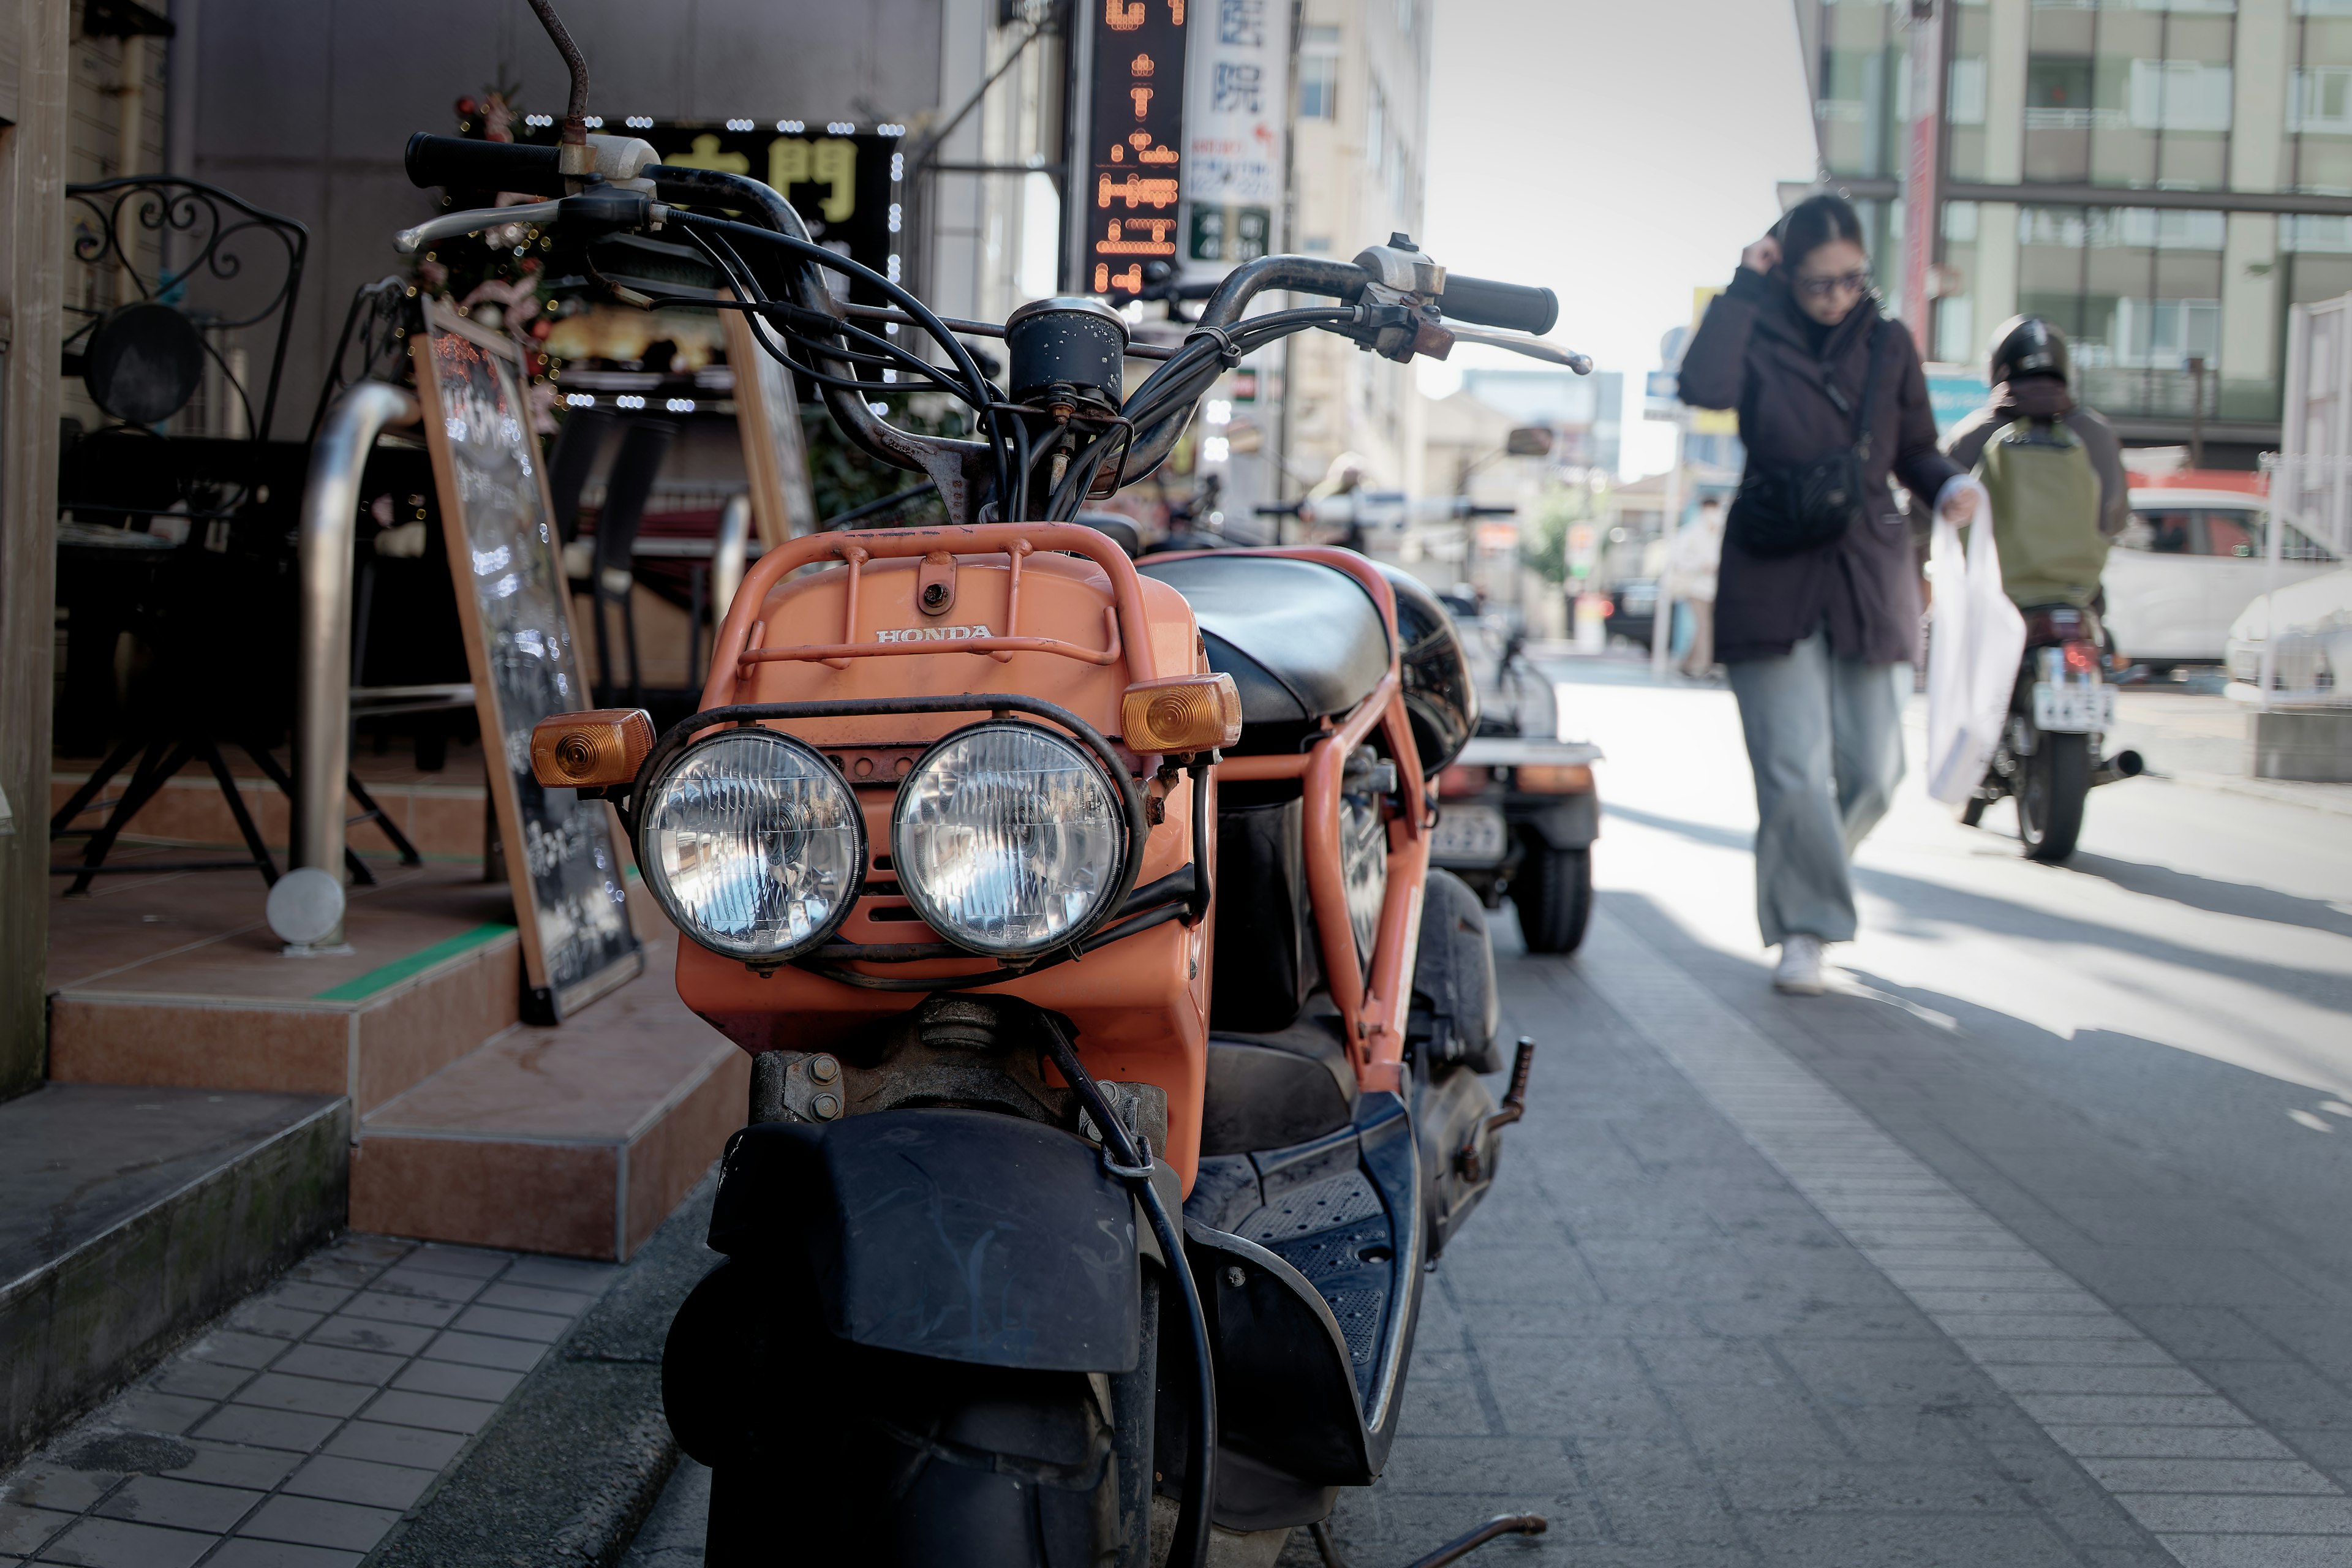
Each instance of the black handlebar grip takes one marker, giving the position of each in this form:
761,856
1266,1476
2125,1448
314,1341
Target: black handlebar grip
1511,306
471,165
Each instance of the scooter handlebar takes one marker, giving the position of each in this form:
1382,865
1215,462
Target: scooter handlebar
457,160
1513,306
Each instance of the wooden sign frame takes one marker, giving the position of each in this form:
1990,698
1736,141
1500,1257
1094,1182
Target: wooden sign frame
562,859
768,416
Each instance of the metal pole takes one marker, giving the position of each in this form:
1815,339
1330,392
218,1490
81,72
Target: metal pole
1662,627
2196,411
727,557
2290,473
322,714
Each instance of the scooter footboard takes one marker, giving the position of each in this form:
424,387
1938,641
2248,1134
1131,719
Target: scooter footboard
960,1235
1312,1313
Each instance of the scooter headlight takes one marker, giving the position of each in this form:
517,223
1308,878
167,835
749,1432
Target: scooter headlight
1008,838
753,845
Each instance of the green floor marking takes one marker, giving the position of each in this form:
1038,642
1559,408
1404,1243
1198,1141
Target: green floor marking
424,958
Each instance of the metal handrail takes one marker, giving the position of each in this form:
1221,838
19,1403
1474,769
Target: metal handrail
322,713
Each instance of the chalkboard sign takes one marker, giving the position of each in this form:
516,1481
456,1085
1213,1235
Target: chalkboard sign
513,604
769,417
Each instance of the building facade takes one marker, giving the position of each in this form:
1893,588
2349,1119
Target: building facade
2162,179
1358,161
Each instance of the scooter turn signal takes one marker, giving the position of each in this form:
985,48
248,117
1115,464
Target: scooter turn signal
1182,713
596,748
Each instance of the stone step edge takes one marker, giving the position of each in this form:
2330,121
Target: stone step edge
479,942
167,1325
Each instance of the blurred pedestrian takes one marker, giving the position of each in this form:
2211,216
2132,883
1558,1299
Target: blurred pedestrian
1817,601
1699,552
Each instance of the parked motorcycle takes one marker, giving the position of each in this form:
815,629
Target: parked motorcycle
1117,1055
1518,809
2059,711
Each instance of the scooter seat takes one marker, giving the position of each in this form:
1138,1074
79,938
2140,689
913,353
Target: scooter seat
1301,640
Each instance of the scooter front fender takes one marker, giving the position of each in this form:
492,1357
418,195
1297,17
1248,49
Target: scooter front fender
964,1236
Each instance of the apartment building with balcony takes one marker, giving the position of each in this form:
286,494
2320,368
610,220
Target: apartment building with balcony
2161,178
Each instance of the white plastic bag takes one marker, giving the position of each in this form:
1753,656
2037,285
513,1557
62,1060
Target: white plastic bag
1975,639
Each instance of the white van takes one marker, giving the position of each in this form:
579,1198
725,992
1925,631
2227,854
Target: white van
2187,565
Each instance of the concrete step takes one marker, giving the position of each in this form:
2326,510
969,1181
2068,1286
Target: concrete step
133,1214
469,1126
442,820
576,1139
176,980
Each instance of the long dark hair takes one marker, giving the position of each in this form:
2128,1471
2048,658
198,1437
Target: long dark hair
1812,222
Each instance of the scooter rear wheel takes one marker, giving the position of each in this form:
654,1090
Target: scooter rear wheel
2050,795
1554,893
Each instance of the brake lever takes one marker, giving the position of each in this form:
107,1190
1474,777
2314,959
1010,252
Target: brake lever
601,206
1534,348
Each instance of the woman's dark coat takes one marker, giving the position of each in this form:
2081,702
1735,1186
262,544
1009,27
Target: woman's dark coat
1752,352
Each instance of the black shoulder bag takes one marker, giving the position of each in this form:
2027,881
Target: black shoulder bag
1785,511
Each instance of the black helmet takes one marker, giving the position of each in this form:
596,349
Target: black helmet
2028,345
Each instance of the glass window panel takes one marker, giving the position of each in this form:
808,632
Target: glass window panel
2169,532
1965,95
2232,533
2179,95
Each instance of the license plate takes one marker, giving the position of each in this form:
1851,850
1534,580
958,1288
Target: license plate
1471,833
2071,710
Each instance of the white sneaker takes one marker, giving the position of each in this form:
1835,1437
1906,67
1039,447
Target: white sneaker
1799,972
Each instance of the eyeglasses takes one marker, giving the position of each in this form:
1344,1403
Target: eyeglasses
1845,283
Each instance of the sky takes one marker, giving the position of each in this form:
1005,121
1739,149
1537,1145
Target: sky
1619,152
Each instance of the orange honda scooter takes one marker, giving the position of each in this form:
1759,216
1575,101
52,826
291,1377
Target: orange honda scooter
1116,1053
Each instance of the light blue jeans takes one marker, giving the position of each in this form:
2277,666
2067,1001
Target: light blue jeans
1825,738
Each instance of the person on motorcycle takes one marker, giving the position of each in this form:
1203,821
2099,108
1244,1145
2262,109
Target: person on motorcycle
2051,520
1817,598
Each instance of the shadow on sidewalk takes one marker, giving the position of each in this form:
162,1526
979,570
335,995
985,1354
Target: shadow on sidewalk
1921,904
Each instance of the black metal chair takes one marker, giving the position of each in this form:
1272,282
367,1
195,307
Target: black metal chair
173,255
612,580
577,447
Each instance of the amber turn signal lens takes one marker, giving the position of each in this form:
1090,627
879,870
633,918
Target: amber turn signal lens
1182,713
1550,778
595,750
1462,779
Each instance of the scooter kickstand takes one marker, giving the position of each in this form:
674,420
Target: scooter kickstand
1454,1550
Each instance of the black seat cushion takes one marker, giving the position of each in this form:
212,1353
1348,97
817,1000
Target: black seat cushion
1301,640
1276,1091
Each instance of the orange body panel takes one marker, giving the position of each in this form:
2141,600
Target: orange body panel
1373,1006
1140,1005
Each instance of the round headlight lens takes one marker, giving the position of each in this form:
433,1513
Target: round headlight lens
753,845
1008,838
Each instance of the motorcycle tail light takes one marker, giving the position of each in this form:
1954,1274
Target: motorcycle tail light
2081,658
1554,778
593,749
1183,713
1462,779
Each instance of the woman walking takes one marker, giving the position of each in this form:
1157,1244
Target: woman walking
1817,604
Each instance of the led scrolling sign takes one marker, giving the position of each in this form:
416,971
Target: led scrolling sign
1136,127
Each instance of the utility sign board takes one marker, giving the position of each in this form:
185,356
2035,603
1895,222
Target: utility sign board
1237,90
1136,135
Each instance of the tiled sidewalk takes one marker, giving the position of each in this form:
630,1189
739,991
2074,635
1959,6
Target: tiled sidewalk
296,1431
